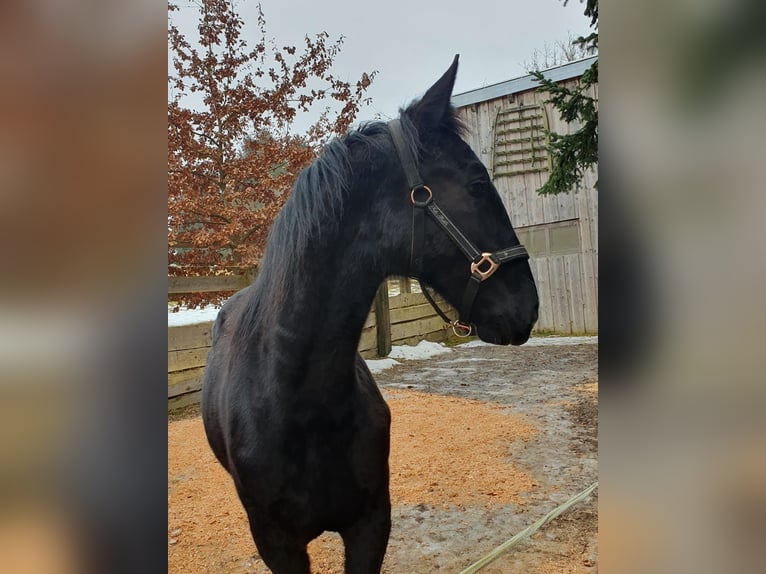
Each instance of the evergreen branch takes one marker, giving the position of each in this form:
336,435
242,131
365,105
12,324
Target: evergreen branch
572,154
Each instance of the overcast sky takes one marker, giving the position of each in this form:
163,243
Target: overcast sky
411,43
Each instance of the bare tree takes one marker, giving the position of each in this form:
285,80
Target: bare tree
560,52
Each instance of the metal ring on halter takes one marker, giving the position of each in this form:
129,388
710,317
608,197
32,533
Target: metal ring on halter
426,201
484,273
456,325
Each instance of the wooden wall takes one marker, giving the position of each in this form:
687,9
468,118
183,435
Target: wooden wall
567,282
188,346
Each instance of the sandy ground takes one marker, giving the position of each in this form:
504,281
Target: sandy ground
485,440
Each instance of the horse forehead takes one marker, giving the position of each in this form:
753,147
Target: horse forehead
463,159
454,153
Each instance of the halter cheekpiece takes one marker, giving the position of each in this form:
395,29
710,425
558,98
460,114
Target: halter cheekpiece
482,264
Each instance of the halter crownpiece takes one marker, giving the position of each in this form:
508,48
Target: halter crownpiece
482,264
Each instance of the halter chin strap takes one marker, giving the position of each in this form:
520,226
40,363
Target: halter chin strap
482,264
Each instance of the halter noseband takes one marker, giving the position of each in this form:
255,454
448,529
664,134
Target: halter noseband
483,264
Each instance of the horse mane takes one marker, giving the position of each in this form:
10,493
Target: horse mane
315,208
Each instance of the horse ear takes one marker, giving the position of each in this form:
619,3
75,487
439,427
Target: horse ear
434,110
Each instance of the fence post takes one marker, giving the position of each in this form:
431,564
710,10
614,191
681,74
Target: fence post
383,320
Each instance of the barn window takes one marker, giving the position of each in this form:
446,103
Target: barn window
559,238
564,238
520,141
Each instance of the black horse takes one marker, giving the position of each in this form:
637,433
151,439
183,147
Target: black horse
290,408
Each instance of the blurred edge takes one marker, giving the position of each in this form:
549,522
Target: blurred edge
82,297
682,450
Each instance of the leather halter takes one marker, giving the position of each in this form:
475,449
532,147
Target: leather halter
482,264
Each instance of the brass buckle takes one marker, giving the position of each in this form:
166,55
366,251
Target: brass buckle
457,325
421,203
484,273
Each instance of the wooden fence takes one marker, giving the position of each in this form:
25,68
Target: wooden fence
209,283
406,318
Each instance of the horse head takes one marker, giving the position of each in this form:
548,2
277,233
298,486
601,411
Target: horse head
503,302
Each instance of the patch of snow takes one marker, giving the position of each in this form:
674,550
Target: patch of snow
422,350
379,365
192,316
541,342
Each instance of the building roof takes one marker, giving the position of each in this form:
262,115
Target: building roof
522,84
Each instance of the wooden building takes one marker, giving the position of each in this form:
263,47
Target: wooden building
507,123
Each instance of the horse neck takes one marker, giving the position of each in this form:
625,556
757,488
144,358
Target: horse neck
327,292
